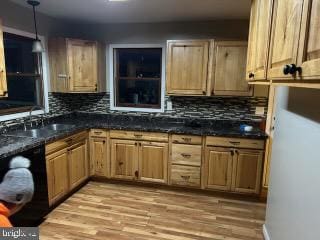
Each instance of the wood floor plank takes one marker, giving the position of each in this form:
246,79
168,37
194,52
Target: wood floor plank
118,211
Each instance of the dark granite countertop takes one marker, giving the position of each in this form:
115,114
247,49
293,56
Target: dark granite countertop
10,144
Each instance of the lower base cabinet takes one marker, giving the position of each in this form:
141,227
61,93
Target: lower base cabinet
233,168
67,165
57,175
139,160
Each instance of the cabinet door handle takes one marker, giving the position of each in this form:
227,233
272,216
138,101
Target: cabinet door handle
185,155
186,139
251,75
136,173
120,163
186,178
234,143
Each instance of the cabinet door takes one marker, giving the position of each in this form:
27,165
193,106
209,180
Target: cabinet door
247,169
98,156
153,161
57,175
229,69
124,159
187,67
252,40
3,78
309,45
78,164
218,167
82,65
285,37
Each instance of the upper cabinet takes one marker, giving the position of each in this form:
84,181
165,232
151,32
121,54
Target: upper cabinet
284,43
293,47
228,68
74,65
206,68
187,67
259,39
309,49
3,78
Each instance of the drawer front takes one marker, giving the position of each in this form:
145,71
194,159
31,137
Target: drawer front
98,133
186,154
185,175
146,136
235,142
186,139
66,142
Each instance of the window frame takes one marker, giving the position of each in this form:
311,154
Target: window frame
45,77
112,79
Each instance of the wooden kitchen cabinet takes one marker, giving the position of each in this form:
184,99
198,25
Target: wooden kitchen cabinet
153,161
187,67
124,159
3,76
99,153
135,157
218,165
78,163
74,65
259,40
247,172
57,175
67,165
309,42
284,43
228,68
233,165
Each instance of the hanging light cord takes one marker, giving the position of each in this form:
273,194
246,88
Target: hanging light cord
35,22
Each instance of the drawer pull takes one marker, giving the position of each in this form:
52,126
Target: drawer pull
186,178
186,139
98,133
186,155
234,143
138,135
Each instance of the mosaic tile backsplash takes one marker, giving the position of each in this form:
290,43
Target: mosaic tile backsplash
224,108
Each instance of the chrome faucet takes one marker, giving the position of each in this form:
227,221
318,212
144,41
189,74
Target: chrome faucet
30,116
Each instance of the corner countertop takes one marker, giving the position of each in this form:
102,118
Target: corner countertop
10,144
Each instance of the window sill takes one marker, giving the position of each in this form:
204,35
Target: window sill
132,109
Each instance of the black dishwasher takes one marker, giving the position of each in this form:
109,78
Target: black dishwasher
32,214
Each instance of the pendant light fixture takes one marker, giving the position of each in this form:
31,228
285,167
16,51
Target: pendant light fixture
37,45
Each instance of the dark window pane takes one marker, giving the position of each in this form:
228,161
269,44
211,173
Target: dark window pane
138,77
24,84
18,54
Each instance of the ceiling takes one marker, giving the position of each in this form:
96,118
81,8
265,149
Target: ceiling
143,11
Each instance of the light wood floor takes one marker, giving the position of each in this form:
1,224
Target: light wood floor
122,212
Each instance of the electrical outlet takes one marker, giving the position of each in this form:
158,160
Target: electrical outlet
169,105
260,111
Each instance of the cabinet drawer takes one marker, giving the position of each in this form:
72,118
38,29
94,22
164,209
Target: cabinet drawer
98,133
187,139
66,142
235,142
185,175
186,154
147,136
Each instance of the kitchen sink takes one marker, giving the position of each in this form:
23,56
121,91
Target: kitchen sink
34,133
58,127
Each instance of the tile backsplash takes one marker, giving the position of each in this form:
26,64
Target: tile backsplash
234,108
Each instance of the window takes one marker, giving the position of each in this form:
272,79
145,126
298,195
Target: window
24,75
137,78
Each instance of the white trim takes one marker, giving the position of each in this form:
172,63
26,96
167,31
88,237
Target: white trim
265,233
45,77
111,76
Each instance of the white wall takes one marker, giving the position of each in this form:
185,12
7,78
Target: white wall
293,209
